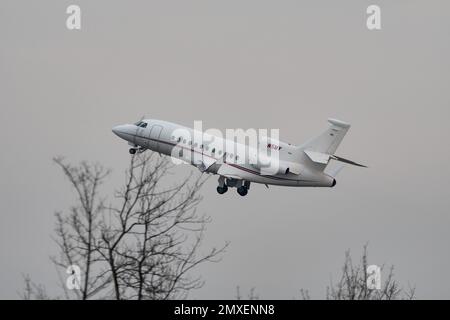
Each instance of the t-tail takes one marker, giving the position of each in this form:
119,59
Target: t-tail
320,150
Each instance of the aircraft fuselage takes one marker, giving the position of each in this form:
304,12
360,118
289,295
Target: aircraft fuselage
212,154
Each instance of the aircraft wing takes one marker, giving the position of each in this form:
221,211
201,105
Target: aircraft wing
230,172
204,163
232,176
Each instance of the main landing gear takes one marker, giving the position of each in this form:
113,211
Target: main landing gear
242,190
222,187
222,190
242,186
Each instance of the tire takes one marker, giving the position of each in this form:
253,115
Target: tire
222,190
132,151
242,190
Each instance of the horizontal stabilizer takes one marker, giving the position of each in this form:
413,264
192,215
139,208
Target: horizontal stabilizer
324,158
347,161
318,157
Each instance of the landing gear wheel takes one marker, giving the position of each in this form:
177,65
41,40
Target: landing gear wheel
242,190
132,151
222,190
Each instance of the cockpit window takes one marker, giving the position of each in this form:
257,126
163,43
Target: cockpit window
141,124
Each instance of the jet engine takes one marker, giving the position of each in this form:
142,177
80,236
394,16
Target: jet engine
278,168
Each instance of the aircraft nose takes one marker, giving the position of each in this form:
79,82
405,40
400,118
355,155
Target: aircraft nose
125,131
117,130
120,131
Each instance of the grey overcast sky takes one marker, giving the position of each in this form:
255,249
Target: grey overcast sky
238,64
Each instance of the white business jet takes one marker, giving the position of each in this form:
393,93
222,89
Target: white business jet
268,162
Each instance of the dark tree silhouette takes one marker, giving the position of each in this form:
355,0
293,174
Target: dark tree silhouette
143,243
352,283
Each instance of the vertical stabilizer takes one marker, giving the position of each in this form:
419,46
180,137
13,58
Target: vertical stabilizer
329,140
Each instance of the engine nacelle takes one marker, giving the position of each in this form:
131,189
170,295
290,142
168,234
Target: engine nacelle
282,168
278,168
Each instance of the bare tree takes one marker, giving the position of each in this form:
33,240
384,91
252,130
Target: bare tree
143,244
352,284
251,295
78,229
32,290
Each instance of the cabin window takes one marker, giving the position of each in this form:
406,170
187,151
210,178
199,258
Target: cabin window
179,139
143,125
213,150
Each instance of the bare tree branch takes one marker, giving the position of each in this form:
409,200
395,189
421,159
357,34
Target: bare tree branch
144,244
352,284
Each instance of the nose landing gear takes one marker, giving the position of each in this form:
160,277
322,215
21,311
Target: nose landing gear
134,150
